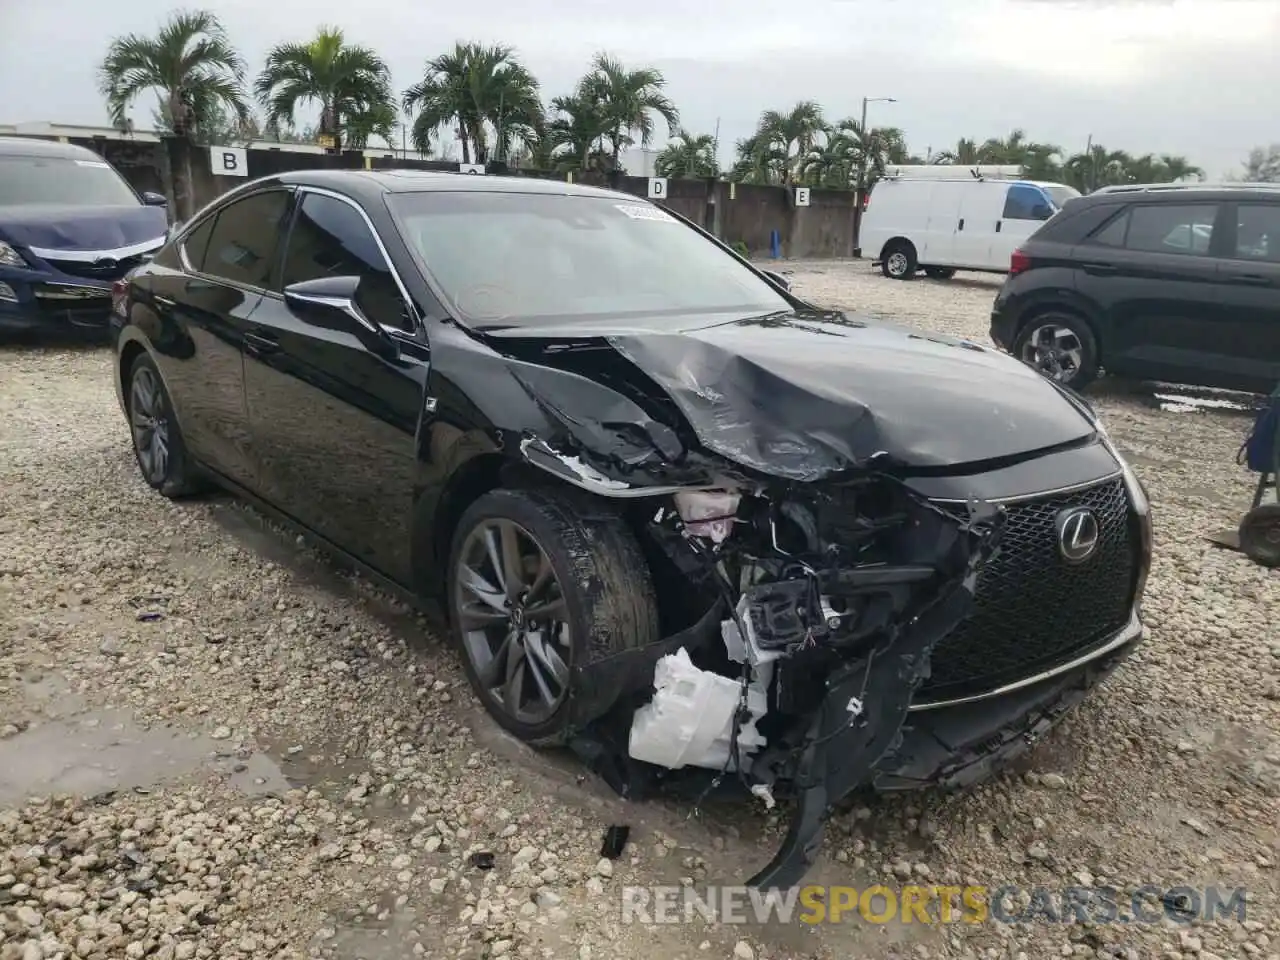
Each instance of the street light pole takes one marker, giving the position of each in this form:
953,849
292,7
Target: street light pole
860,194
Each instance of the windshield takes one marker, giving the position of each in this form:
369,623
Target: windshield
26,181
1060,194
513,259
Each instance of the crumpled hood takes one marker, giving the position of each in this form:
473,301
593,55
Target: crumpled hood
800,396
81,228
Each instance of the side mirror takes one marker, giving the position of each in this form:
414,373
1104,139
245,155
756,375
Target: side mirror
151,199
779,279
330,303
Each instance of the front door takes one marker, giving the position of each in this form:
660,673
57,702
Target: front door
1244,347
333,424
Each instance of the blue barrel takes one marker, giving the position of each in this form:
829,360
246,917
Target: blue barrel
775,244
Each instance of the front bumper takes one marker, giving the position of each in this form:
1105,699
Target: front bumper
57,307
957,745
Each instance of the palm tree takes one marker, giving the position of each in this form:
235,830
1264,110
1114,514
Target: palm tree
791,136
379,120
688,155
577,126
965,153
1097,167
195,71
346,81
476,89
629,98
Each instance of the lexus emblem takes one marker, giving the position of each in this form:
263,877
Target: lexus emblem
106,263
1078,534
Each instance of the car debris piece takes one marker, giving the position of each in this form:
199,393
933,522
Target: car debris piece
615,841
481,860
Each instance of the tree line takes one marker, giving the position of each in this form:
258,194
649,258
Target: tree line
493,106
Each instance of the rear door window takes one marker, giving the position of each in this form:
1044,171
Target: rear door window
1172,228
1258,232
245,241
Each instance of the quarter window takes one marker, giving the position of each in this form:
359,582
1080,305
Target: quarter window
1258,232
1170,228
245,241
196,243
1112,233
331,239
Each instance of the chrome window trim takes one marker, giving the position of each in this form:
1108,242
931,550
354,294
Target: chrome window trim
89,256
303,190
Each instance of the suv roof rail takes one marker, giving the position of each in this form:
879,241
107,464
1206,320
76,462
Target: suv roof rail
1169,187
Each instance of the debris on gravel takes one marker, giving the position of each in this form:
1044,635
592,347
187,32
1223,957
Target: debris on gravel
215,744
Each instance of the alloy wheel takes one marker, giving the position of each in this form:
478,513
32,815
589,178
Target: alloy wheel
898,264
514,620
149,423
1054,350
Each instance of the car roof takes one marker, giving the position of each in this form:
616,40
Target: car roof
1180,193
36,147
428,181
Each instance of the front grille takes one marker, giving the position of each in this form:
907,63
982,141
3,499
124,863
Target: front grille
88,312
106,269
1032,609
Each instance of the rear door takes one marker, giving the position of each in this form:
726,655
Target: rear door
333,424
944,200
1244,345
226,264
976,226
1151,271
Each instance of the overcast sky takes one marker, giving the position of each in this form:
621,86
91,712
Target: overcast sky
1195,77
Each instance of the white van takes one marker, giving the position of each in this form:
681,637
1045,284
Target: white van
944,225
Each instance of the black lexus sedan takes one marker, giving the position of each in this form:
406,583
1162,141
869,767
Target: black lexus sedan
672,510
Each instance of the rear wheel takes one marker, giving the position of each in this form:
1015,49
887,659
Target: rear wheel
538,580
157,439
898,260
1061,346
1260,534
939,273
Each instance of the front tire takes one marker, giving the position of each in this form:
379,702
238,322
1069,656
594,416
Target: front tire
157,440
538,580
898,260
1061,346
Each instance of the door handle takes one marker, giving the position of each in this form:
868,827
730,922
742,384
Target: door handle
962,223
998,223
261,343
1252,279
1099,267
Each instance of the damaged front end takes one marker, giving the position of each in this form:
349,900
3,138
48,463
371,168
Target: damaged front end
820,606
802,584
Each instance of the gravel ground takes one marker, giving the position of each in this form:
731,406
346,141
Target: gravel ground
214,744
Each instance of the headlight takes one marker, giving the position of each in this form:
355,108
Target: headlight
10,257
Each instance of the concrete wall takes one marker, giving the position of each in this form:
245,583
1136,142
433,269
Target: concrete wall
734,212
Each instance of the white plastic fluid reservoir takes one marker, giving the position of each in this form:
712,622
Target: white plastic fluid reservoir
689,721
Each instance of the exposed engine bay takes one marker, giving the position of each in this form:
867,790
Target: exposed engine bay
820,606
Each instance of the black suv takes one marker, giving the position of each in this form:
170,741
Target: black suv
1175,282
